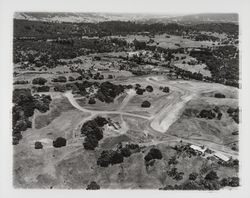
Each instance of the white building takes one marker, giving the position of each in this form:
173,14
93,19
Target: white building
198,148
221,156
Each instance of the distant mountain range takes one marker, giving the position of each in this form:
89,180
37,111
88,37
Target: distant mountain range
92,17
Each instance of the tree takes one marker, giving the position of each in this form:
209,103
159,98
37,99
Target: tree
149,88
39,81
70,78
145,104
38,145
110,76
59,142
93,186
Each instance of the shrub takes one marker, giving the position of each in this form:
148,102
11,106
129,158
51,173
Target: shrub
165,89
172,160
212,175
219,95
60,88
235,133
60,79
230,181
79,78
21,82
145,104
110,76
38,145
43,89
59,142
193,176
70,78
93,186
206,114
39,81
92,101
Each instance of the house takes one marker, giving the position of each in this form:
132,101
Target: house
221,157
198,148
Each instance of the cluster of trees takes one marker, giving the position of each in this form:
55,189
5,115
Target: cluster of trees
233,163
23,109
93,186
223,63
40,30
49,54
183,148
173,173
108,91
93,131
209,182
172,161
210,113
188,74
230,181
108,157
234,114
204,37
111,157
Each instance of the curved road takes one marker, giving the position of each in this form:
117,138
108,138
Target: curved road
162,120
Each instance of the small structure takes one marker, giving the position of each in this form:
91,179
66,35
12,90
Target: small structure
221,157
198,149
